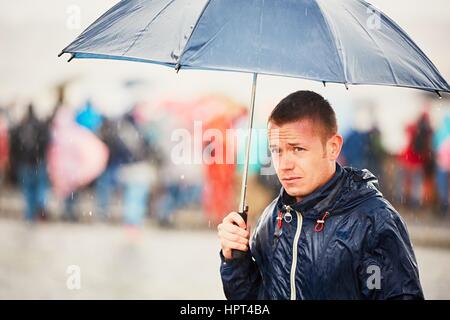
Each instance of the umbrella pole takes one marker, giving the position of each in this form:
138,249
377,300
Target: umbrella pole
242,204
243,208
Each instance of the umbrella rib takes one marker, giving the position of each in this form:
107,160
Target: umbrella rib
146,27
391,69
190,36
337,43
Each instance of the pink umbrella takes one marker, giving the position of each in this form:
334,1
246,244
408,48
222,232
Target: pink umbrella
75,157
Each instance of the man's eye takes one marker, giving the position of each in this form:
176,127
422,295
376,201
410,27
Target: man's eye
275,150
298,149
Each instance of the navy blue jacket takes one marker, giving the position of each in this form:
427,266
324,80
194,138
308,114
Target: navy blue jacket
361,250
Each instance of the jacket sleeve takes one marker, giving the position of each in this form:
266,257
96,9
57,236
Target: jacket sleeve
241,278
389,268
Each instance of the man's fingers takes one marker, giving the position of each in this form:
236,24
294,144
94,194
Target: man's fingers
227,244
233,237
233,234
236,218
231,228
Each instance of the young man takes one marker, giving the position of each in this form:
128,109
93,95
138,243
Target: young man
330,234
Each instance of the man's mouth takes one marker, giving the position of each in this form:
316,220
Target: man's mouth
291,179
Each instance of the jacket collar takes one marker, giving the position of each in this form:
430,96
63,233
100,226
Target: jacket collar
318,200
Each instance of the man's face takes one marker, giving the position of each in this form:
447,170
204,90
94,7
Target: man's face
302,161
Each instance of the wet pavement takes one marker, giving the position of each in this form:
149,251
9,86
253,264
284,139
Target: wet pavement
118,263
115,263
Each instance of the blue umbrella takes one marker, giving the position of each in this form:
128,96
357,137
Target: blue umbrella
339,41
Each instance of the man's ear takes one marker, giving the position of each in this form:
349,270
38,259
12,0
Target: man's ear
334,146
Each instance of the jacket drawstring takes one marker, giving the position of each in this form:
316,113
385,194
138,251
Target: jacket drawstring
320,224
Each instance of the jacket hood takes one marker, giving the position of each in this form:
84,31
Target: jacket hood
348,188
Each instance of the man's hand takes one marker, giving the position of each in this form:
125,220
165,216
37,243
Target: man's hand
233,234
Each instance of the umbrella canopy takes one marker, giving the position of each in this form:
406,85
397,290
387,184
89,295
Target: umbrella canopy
345,41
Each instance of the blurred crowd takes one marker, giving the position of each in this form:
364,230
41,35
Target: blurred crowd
417,177
123,163
126,163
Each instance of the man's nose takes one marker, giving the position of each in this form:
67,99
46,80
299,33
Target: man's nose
286,162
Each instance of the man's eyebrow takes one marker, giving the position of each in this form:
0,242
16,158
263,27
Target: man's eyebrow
295,144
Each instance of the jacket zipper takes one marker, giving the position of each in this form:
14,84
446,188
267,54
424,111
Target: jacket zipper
295,252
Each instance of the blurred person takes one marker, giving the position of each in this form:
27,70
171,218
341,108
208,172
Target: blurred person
106,183
138,175
377,154
356,149
415,162
220,175
363,149
218,193
330,234
180,183
181,187
137,179
4,147
441,143
29,142
363,146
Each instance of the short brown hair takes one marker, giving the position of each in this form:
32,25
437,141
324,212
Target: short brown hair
302,105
